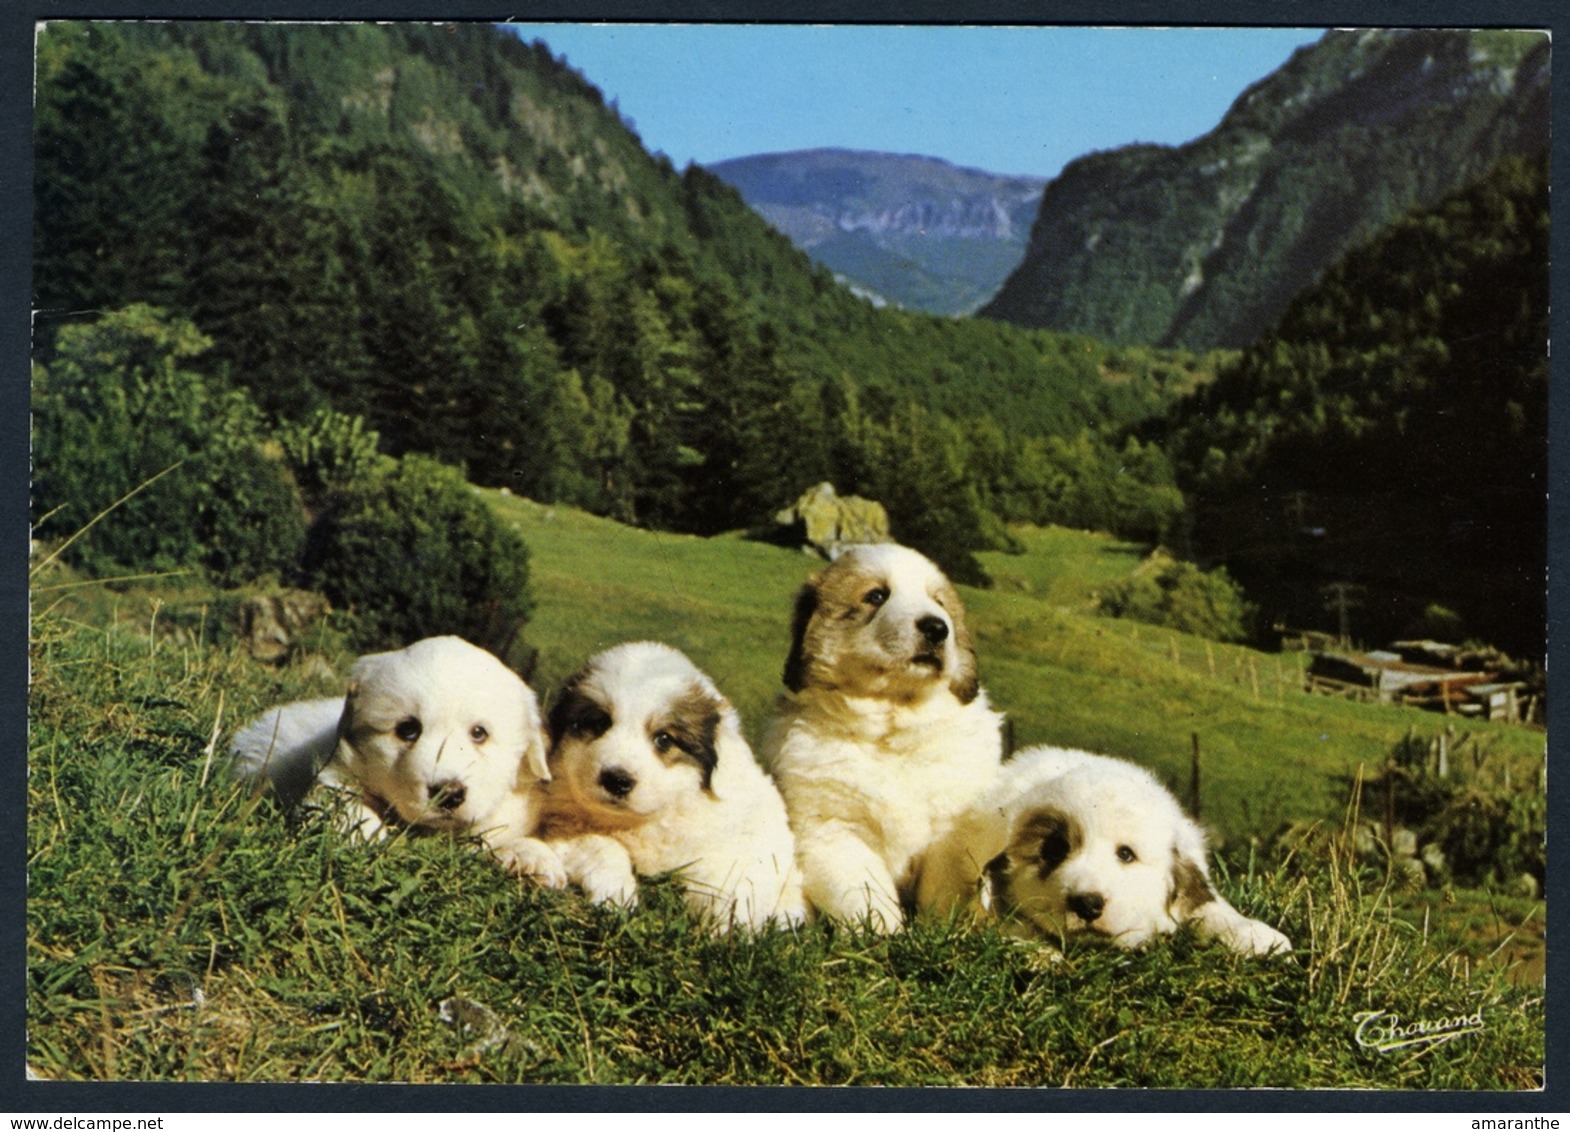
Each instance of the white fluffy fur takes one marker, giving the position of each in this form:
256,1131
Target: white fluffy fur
885,735
1067,842
634,735
440,735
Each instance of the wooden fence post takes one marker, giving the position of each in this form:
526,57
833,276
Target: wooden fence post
1193,778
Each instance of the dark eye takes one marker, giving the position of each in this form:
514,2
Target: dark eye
408,730
877,597
1127,855
478,733
663,741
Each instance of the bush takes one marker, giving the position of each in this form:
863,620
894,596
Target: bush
412,552
329,451
115,412
252,524
1492,828
1181,596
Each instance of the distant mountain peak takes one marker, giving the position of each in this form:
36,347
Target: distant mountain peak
914,230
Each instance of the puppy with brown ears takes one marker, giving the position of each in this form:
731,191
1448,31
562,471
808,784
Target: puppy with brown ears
885,735
437,736
1067,842
647,753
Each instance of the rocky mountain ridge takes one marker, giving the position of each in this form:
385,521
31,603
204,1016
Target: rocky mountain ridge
915,231
1203,245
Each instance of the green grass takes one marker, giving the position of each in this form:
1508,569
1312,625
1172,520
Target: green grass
1061,674
179,930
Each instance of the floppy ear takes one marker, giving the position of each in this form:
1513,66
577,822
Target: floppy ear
966,684
1191,890
992,887
796,660
361,671
564,705
535,762
534,752
730,751
966,681
347,715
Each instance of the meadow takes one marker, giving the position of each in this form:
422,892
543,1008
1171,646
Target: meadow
178,929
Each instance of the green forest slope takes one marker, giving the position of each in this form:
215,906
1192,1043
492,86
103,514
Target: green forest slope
1391,434
449,233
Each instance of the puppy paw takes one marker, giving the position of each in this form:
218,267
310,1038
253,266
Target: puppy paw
531,858
601,867
1039,955
1251,937
610,885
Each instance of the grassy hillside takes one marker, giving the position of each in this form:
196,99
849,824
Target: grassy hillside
1060,673
179,930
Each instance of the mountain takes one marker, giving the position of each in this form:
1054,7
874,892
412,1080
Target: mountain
449,235
1204,245
1386,445
914,231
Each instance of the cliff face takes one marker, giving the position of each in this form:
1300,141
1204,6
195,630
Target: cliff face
914,231
1203,245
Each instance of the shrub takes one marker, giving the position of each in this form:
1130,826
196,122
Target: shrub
1491,827
1181,596
413,552
329,451
115,411
252,523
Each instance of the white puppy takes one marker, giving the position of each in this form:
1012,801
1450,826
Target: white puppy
440,735
647,752
1067,841
885,734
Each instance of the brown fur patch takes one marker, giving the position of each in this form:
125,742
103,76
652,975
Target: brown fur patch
795,674
576,710
693,723
1191,889
353,727
833,595
1044,841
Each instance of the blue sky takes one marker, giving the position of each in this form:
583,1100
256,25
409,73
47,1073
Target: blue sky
1003,99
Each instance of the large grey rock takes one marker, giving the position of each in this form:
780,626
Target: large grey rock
270,625
826,522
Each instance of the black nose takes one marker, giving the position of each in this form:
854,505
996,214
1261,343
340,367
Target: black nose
935,629
447,795
1086,905
617,782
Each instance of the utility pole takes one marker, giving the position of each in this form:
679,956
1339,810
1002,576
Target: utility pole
1341,597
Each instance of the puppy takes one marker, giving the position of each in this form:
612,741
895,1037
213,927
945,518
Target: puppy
884,735
1068,842
645,751
440,736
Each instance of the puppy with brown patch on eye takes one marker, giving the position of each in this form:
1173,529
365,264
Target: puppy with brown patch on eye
884,734
645,752
437,736
1068,842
